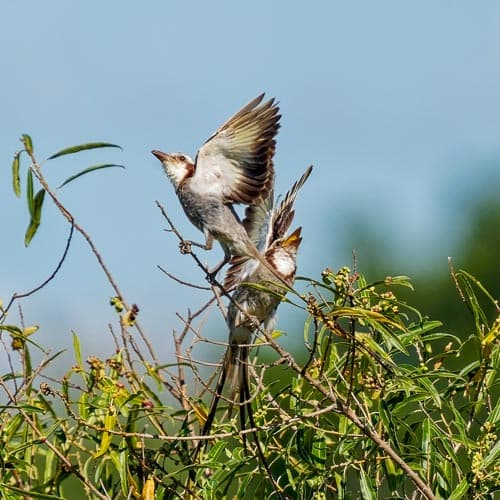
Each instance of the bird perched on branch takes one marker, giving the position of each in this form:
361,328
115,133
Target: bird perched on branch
234,166
257,297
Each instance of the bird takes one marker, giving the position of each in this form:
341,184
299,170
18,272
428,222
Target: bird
257,293
234,166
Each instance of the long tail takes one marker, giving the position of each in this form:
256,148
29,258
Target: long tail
228,372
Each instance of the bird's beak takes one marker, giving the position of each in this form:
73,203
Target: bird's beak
293,240
160,155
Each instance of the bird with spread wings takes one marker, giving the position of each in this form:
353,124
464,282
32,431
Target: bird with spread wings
234,166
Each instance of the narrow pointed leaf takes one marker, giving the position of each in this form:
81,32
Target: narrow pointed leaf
77,350
318,452
82,147
16,181
109,423
36,217
28,143
460,490
31,231
28,493
29,192
366,486
87,170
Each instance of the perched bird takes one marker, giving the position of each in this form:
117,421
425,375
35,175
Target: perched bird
255,300
234,166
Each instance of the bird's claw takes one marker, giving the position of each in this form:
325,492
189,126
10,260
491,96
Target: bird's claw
185,246
254,322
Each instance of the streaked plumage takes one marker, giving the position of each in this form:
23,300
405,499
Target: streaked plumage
233,166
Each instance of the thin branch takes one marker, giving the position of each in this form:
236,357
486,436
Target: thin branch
16,296
353,417
182,282
46,442
71,219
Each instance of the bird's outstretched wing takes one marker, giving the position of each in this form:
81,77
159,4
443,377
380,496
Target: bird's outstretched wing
265,224
282,215
236,162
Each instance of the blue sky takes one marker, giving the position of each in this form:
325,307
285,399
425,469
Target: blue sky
395,103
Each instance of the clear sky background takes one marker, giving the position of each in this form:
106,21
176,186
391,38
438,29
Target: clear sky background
397,105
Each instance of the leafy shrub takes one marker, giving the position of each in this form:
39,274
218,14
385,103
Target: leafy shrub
380,402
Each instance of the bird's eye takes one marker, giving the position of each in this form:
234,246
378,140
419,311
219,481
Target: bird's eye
182,158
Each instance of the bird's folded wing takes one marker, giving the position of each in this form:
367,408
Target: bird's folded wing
236,162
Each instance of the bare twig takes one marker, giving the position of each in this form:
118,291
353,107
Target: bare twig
17,296
74,225
182,282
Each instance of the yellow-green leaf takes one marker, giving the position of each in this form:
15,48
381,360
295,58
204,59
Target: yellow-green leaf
30,330
16,180
109,423
148,492
28,143
29,191
23,492
36,217
77,350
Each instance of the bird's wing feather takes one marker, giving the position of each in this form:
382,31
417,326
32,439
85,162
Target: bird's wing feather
264,223
282,215
235,162
256,223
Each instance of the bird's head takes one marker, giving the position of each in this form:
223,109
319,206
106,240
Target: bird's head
282,254
177,166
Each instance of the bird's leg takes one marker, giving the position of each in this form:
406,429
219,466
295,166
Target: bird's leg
185,245
212,273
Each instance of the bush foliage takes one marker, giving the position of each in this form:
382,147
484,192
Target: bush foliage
380,403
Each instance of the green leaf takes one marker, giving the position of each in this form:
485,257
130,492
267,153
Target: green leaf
12,426
87,170
340,482
82,147
14,330
467,276
460,491
386,418
29,191
109,424
493,456
365,483
431,391
49,467
36,217
318,452
77,350
28,143
16,180
29,494
427,435
301,446
495,414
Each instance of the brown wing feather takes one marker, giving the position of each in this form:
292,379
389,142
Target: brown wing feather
264,225
239,155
